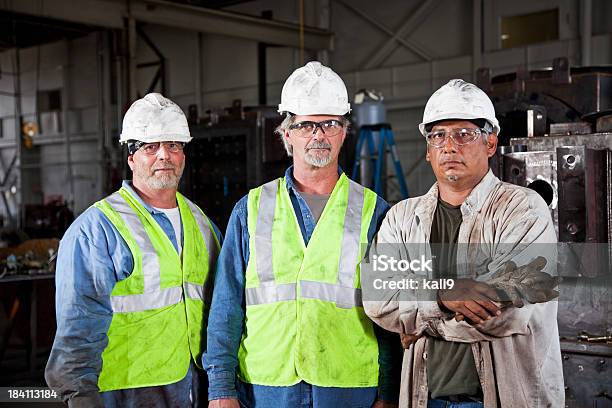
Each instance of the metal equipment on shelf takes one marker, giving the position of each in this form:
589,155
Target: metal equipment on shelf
556,140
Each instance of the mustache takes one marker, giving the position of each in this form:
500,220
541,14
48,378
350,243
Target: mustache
446,159
164,167
318,145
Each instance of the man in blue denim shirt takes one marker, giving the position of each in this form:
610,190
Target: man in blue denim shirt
149,232
243,364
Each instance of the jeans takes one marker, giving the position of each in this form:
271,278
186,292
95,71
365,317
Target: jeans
303,395
438,403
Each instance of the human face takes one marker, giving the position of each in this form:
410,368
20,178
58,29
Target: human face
318,149
464,165
160,170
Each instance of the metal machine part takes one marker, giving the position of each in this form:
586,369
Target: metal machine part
604,123
597,197
582,194
579,93
586,371
576,101
496,162
536,170
523,119
570,128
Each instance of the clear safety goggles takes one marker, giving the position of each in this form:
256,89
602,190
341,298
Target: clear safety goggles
330,128
460,137
153,148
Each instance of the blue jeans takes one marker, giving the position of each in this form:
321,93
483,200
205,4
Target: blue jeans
438,403
303,395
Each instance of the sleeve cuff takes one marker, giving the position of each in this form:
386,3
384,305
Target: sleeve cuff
89,400
222,384
430,310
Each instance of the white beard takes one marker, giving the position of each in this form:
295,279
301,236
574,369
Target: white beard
159,181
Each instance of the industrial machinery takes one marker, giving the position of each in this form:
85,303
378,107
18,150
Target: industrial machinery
556,139
227,158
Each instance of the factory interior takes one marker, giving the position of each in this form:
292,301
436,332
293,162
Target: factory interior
70,69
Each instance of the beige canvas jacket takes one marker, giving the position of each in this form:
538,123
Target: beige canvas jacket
517,354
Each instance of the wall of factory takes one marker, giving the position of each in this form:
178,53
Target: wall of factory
71,68
229,70
229,66
444,34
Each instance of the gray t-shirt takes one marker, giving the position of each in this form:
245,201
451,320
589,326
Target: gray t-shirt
451,369
316,203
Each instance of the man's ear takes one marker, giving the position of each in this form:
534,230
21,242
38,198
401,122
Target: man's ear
130,161
491,144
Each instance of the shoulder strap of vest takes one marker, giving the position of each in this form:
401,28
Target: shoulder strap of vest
203,221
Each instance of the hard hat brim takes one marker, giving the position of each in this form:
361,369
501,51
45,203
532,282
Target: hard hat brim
318,110
458,116
125,137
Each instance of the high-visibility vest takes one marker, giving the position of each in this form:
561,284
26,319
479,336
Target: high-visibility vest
304,314
158,320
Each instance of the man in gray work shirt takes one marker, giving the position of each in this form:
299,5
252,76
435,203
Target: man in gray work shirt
465,349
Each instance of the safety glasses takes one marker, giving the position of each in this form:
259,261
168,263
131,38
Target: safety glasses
329,128
153,148
461,137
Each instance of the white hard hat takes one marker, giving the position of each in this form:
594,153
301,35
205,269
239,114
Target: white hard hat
459,100
314,89
155,118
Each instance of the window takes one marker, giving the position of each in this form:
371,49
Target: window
49,100
530,28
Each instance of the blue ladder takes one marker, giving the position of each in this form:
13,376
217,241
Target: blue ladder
376,155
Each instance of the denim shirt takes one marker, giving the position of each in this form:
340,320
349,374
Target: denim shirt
226,319
92,258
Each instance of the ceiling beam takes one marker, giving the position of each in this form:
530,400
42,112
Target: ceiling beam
410,45
412,23
111,14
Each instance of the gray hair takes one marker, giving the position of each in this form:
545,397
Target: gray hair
282,128
290,120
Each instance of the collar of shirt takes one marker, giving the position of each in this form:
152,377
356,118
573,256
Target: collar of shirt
305,218
290,181
473,203
128,185
159,216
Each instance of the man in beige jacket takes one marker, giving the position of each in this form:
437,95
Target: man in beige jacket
472,344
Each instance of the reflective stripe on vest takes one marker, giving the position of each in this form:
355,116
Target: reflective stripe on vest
154,297
192,290
342,293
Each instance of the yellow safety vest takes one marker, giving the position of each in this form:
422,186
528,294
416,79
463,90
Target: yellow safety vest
304,315
158,311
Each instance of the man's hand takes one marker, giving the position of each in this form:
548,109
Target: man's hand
471,299
383,404
408,339
224,403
